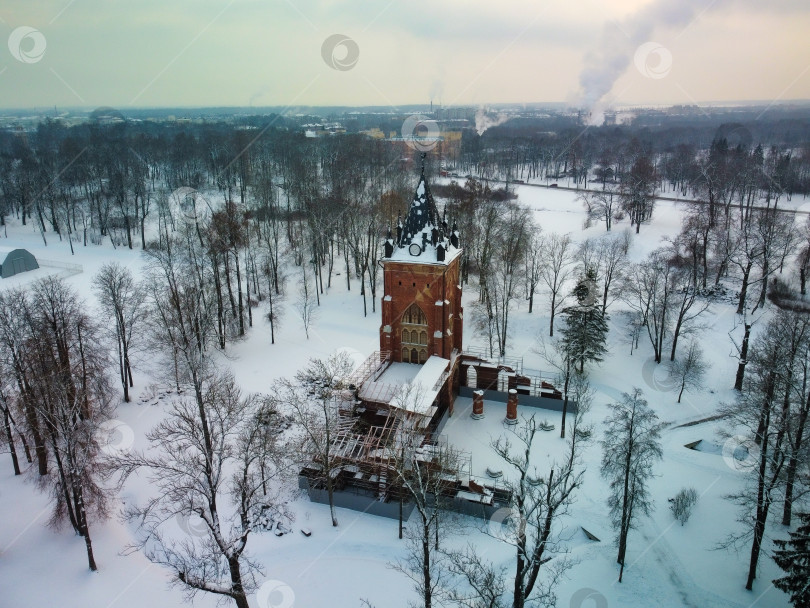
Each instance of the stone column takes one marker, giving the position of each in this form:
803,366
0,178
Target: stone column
511,407
478,405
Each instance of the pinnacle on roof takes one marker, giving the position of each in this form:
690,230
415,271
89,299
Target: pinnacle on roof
422,212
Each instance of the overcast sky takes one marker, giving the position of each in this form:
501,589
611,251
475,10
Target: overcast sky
135,53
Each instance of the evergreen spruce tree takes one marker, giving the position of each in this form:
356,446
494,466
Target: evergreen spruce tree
793,556
585,331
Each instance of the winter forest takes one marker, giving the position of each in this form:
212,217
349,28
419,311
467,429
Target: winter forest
208,290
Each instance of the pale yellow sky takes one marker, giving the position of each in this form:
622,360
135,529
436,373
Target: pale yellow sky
134,53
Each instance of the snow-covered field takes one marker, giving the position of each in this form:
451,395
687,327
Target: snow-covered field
668,564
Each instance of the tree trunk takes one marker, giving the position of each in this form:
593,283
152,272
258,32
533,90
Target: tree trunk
239,294
15,463
84,526
744,289
237,588
228,285
551,319
426,564
793,463
738,381
220,305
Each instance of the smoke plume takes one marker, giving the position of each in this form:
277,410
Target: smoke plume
485,120
620,40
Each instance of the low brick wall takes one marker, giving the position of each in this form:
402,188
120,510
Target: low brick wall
372,506
527,400
356,501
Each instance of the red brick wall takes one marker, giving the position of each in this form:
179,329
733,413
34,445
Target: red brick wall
423,284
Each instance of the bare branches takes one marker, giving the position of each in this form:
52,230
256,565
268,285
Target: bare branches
224,471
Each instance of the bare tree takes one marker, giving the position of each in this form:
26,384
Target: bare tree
73,401
558,264
637,192
480,583
314,397
796,485
15,337
690,370
422,472
558,356
687,307
305,304
602,206
9,427
630,447
218,470
649,292
533,263
275,295
538,500
123,300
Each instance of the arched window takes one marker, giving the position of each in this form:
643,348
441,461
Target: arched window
414,333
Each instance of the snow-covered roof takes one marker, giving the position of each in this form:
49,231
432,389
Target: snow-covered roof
422,215
391,386
425,383
424,236
426,257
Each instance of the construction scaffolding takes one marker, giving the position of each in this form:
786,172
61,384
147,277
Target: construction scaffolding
373,447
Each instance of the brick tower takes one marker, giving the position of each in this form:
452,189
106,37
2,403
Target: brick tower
421,304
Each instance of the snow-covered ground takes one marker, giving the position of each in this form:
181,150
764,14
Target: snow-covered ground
668,564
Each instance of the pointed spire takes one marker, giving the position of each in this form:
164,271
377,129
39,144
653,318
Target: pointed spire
422,213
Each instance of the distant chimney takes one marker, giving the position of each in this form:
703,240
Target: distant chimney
511,407
478,405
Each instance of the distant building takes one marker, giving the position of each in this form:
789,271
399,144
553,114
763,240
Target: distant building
15,261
